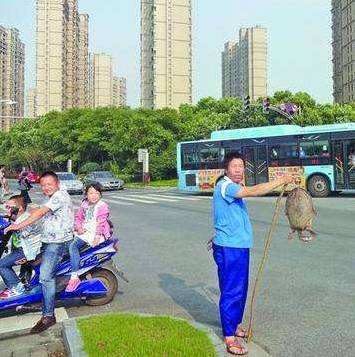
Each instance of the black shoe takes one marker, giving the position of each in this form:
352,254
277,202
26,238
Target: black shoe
43,324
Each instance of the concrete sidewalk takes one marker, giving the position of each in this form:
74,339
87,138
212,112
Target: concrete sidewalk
16,341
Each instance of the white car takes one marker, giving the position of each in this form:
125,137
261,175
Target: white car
70,183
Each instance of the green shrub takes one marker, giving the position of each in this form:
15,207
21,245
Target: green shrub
89,166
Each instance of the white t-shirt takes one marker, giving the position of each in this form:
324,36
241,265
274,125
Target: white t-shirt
58,223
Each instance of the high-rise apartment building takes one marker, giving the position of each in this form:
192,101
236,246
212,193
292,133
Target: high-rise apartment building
166,53
101,90
58,49
229,67
343,27
244,64
12,77
119,91
122,91
115,91
83,78
31,103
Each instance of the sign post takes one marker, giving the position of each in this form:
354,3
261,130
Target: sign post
69,165
143,156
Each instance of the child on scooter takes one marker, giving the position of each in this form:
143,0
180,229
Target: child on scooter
91,226
26,245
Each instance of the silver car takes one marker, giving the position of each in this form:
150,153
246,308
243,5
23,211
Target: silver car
70,183
105,179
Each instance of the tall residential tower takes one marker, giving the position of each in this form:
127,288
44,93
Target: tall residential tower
12,78
101,79
166,53
343,27
244,64
60,51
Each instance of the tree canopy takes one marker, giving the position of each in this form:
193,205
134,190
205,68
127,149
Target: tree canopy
112,136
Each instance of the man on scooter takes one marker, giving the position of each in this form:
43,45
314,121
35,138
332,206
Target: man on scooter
58,222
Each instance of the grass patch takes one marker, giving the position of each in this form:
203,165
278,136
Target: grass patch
125,335
158,183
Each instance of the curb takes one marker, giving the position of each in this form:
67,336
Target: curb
72,339
74,343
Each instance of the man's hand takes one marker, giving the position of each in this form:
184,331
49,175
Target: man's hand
288,179
11,227
21,261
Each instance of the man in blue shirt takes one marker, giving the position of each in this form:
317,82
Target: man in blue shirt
232,241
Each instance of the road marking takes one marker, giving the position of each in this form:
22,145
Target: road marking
175,197
155,198
134,199
117,202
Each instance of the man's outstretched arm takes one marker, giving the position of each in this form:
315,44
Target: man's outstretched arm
264,188
35,216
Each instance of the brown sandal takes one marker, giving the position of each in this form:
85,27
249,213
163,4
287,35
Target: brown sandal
241,332
236,348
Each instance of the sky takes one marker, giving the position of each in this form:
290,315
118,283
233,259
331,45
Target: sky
299,40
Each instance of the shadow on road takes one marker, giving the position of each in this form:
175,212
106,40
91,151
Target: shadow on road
199,301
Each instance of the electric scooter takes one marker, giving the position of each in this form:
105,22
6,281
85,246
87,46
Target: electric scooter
98,276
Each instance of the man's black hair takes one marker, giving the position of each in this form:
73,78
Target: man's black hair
231,156
49,174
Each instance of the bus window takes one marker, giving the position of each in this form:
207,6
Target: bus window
306,149
209,157
189,158
314,152
283,154
321,149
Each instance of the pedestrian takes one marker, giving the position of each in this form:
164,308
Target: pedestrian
25,186
231,244
4,186
58,221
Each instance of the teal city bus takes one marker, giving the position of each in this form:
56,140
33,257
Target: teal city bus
322,157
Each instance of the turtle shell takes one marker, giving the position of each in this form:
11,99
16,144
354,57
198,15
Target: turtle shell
299,209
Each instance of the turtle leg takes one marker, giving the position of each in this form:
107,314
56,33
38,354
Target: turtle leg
313,233
309,237
291,234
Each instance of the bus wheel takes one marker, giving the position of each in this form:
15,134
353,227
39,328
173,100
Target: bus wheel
318,186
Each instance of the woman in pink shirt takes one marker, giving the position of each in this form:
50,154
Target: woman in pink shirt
91,226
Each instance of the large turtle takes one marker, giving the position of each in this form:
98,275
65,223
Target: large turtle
300,212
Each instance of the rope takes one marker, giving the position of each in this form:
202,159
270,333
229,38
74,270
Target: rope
263,261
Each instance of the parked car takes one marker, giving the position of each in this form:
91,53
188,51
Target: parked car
32,176
70,183
106,179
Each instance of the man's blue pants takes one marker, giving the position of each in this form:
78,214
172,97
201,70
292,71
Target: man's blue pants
233,276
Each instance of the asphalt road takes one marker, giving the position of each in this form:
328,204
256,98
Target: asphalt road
305,306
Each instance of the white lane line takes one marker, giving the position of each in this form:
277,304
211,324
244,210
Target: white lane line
77,201
154,198
175,197
117,202
133,199
206,197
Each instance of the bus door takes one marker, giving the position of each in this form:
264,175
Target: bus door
255,165
344,159
349,164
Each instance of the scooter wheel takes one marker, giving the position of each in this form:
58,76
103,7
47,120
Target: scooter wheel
110,281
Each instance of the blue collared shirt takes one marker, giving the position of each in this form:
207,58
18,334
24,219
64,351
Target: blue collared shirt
231,220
